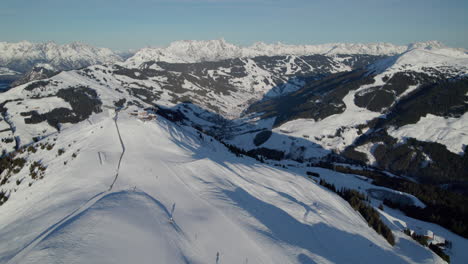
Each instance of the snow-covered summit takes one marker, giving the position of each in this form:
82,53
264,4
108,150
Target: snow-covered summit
420,57
22,56
204,50
432,44
186,51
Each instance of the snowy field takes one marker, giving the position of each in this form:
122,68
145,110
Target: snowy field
451,132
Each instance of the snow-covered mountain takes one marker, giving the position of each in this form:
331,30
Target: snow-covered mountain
38,72
419,95
445,60
117,190
220,159
23,56
329,100
190,51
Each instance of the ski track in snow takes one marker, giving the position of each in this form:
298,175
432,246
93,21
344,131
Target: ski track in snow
123,149
17,258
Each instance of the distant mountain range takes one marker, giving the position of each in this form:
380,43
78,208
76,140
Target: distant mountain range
331,94
23,56
190,51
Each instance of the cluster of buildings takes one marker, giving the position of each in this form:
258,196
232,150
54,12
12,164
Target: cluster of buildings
146,114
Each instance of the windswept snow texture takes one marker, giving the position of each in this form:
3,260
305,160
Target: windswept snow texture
181,199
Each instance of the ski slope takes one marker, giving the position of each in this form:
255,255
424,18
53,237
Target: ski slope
179,198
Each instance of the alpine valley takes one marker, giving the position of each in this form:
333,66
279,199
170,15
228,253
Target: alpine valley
209,152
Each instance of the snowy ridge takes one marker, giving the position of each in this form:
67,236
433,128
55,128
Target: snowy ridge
190,51
263,49
453,62
22,56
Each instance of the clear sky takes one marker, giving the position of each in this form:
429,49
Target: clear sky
124,24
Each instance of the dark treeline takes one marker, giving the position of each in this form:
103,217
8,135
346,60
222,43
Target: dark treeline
451,216
443,207
423,240
359,202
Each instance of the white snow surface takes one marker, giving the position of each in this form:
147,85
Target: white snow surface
42,105
323,131
451,132
179,199
26,132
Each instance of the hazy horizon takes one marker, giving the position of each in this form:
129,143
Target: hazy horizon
123,25
231,42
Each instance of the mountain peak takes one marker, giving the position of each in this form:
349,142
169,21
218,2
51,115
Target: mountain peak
432,44
423,55
24,55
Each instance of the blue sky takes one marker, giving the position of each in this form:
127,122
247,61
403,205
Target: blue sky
120,24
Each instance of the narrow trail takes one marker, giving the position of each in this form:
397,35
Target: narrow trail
123,150
85,206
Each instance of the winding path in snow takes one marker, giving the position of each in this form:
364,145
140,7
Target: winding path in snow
123,149
23,252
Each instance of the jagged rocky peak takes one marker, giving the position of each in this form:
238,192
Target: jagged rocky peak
24,55
38,72
204,50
